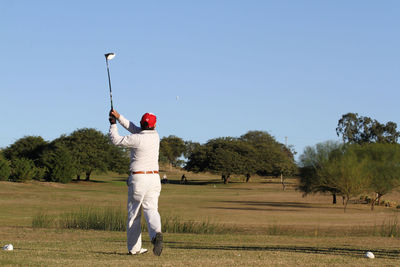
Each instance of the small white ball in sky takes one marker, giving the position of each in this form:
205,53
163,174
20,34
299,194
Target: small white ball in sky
369,255
8,247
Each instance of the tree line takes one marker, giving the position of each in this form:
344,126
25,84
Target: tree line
82,152
87,150
255,152
367,162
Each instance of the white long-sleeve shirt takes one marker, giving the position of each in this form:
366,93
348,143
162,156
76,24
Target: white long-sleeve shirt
144,145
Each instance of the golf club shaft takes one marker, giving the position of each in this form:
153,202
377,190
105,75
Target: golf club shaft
109,84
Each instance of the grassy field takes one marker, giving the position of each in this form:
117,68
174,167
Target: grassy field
271,227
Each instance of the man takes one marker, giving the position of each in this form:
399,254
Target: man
183,179
144,181
164,180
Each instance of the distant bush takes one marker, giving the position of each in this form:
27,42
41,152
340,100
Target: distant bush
389,203
22,169
5,170
40,173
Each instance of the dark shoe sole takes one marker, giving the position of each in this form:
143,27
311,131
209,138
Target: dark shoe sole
158,244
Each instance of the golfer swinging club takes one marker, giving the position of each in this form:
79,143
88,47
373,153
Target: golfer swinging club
144,181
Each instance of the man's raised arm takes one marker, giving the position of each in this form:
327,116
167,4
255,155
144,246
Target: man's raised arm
130,126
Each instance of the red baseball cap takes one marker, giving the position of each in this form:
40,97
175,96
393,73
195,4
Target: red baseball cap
150,118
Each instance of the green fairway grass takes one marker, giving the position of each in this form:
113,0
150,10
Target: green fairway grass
49,247
267,226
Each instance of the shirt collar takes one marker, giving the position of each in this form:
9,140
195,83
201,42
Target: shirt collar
148,131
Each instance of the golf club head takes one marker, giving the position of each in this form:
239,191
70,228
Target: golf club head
109,56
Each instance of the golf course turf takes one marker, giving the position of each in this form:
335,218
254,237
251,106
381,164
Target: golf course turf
256,224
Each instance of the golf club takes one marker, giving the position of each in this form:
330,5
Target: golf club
109,56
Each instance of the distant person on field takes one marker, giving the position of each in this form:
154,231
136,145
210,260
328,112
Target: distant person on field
226,178
144,181
183,179
164,180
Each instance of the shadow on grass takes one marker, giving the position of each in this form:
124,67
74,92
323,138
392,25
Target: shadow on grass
236,188
278,183
381,253
61,250
113,253
90,181
112,180
352,252
193,182
248,208
272,204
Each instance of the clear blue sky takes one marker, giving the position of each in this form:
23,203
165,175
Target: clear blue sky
290,68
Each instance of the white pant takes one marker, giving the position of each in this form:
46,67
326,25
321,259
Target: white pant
143,192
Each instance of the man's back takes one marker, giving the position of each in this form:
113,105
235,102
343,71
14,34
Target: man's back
144,155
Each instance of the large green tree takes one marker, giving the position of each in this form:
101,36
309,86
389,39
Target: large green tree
29,147
92,146
272,157
59,163
22,170
24,156
5,169
284,165
86,150
190,147
255,152
345,172
229,156
172,147
382,169
90,150
356,129
118,159
198,159
310,162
